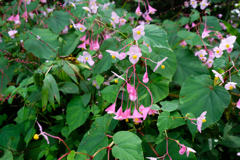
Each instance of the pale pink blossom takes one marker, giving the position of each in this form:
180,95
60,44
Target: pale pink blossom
12,33
43,133
148,18
190,150
218,52
134,54
193,3
223,25
87,9
132,92
159,63
25,15
203,59
122,21
227,42
122,55
88,58
149,48
186,4
200,120
94,9
119,114
230,85
138,11
145,78
83,46
27,1
43,1
115,17
205,33
105,6
11,18
201,53
138,32
111,109
238,104
113,54
144,111
183,43
112,24
151,10
94,83
187,26
209,63
204,4
72,4
193,24
216,74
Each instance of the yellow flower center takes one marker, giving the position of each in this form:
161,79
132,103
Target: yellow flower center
81,28
71,5
204,4
138,32
210,62
116,81
136,120
92,3
162,66
147,45
106,7
218,51
199,47
111,23
113,19
202,59
70,26
113,57
231,87
192,2
95,85
136,123
201,55
36,136
216,78
204,120
86,10
147,20
183,46
123,21
126,120
153,114
227,45
86,58
134,56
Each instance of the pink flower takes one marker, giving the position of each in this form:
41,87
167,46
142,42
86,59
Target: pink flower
25,15
152,158
115,17
205,33
111,109
204,4
136,115
113,54
229,50
148,18
200,120
151,9
122,21
138,32
105,6
144,111
94,9
152,112
187,26
43,1
88,58
203,59
122,55
96,45
149,48
83,45
186,4
138,11
220,15
230,85
223,25
218,75
132,92
87,9
134,54
238,106
106,36
127,114
193,24
209,62
201,53
83,38
193,3
94,83
65,30
12,33
145,78
218,52
160,63
27,1
112,24
183,149
183,44
119,114
43,133
227,43
79,26
10,18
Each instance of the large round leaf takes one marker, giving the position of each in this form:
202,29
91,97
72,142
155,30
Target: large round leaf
187,64
170,63
128,146
156,37
198,95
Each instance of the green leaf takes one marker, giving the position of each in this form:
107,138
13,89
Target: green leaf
22,115
86,98
187,64
192,38
109,93
64,65
45,96
95,138
71,155
3,117
170,63
29,136
69,88
58,21
199,92
164,121
144,51
232,31
77,114
7,155
99,31
6,133
184,20
71,44
220,62
99,79
159,88
178,121
212,23
52,87
127,146
64,131
169,105
231,141
195,16
156,37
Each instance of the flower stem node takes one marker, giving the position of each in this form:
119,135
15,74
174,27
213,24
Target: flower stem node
36,136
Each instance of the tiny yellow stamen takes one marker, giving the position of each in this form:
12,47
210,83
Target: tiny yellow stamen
138,32
153,114
183,46
202,59
204,4
210,62
201,55
81,28
86,58
192,2
134,56
199,47
111,23
86,10
231,87
36,136
113,57
113,19
95,85
126,120
216,78
71,5
204,120
218,51
227,45
162,66
116,81
70,26
106,7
